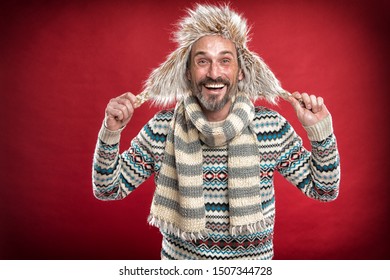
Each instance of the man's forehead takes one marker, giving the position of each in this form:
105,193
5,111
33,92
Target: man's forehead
213,44
205,53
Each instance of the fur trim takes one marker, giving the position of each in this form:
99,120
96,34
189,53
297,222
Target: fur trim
168,83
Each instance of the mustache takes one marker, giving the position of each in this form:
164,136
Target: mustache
218,80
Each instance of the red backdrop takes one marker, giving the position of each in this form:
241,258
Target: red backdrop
61,62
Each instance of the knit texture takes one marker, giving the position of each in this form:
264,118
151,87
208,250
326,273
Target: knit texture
316,174
178,203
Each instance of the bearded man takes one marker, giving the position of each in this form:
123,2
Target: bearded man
215,154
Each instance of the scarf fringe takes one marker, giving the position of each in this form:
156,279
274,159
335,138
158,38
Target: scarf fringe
171,228
251,228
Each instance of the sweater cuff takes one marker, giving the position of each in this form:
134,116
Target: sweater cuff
108,136
321,130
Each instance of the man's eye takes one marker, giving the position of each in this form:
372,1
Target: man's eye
225,61
202,61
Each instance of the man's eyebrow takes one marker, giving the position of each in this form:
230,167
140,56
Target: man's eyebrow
221,53
227,52
199,53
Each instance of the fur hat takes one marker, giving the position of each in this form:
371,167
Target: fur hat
168,83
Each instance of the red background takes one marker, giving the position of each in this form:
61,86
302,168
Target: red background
61,62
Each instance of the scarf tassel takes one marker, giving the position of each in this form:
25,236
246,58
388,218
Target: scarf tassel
250,228
171,228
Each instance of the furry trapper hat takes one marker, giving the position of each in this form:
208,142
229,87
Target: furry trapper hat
168,83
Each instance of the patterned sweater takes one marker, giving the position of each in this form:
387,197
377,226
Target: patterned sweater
316,174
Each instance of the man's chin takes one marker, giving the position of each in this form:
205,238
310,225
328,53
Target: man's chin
213,104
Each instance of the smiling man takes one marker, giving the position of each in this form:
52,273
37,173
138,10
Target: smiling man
215,154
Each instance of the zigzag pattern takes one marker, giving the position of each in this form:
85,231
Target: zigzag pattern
268,156
214,255
106,155
106,171
222,244
217,226
315,173
216,207
219,248
107,147
214,160
274,135
212,188
154,136
326,167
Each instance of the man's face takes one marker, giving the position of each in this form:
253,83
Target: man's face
214,71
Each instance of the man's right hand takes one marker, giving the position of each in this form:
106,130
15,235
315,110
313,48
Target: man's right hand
119,111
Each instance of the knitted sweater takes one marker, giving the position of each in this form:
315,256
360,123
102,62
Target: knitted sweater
316,174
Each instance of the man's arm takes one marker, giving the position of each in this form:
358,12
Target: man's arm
315,173
116,175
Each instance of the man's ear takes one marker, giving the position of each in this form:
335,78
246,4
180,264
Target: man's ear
188,74
241,75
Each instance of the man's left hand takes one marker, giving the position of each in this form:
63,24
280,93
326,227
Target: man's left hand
310,109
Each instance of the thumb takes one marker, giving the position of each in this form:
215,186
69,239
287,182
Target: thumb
295,103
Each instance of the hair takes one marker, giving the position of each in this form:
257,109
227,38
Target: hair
168,83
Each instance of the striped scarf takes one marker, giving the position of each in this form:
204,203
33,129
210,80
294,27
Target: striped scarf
178,204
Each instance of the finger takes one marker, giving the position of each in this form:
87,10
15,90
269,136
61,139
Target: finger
117,108
306,101
129,96
320,101
314,103
126,106
297,95
113,111
124,109
126,98
295,100
114,114
125,103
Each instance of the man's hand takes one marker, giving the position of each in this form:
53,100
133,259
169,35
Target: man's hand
310,109
119,111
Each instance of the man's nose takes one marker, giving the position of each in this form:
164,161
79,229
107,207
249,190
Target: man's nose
214,71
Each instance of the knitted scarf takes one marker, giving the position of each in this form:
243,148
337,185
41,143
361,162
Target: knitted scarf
178,204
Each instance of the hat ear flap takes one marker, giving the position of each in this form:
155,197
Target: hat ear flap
259,81
167,83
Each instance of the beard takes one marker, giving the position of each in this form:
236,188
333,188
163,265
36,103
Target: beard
212,103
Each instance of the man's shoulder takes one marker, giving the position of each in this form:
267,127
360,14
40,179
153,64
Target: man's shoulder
269,124
158,126
164,115
263,113
154,132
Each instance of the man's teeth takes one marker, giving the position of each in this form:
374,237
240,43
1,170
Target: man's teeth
214,85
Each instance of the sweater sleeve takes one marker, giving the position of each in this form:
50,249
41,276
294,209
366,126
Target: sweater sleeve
315,173
116,175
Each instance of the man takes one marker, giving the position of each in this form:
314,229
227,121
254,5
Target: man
215,154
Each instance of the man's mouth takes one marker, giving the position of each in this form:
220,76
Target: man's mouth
217,86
